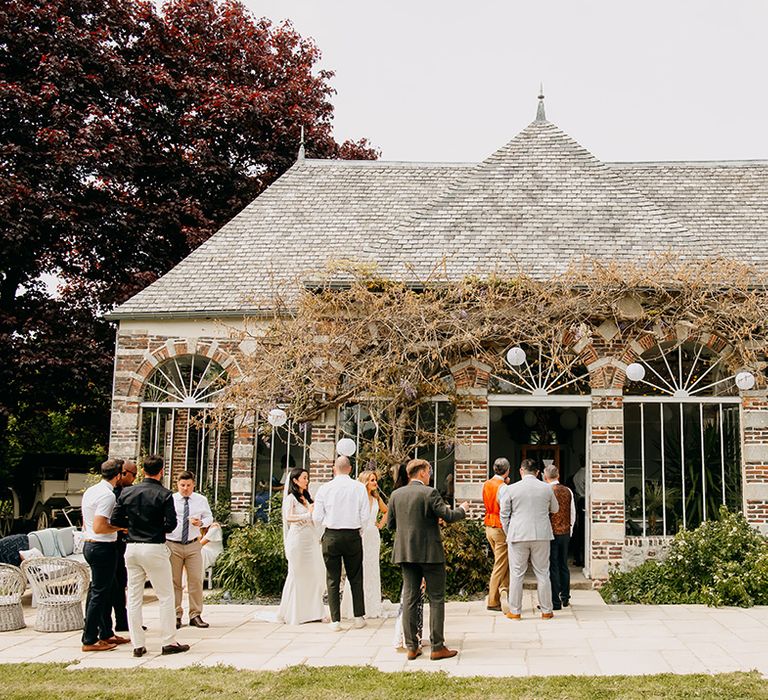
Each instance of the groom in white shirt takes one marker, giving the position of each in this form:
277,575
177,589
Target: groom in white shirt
342,508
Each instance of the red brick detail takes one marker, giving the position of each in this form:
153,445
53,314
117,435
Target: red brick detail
607,549
608,471
607,402
466,402
756,473
470,472
471,377
472,436
612,435
757,512
608,512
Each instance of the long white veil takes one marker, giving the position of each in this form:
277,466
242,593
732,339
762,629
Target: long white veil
285,507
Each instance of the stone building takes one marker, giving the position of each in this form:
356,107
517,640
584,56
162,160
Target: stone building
654,454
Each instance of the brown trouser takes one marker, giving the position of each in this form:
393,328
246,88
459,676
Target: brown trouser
500,574
189,557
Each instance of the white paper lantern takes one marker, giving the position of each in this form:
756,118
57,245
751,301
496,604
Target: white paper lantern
569,420
277,417
745,380
516,356
495,414
530,419
346,447
635,372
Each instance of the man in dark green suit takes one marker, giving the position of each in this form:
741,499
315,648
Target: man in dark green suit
414,512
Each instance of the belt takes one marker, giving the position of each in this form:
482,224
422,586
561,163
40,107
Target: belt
180,542
101,541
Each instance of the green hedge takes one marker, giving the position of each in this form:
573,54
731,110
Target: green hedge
253,563
722,562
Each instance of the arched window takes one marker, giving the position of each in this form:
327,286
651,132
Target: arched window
540,371
176,421
681,439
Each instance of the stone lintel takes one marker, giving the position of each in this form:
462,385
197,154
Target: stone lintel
756,491
757,453
607,452
468,491
322,451
607,491
607,531
607,417
241,484
475,453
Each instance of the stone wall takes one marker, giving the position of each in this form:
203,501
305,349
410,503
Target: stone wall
754,426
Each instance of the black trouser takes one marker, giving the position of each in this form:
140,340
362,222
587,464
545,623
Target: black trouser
346,546
559,574
118,590
101,557
434,576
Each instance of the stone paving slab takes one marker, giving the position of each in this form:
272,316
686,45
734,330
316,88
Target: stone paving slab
587,638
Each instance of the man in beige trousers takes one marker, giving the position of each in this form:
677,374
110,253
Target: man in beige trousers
494,533
192,513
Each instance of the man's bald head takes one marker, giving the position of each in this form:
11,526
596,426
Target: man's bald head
342,465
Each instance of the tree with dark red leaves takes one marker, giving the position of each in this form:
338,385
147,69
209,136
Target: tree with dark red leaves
128,135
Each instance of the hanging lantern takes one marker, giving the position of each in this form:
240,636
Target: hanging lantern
277,417
745,381
346,447
515,356
530,419
569,420
635,372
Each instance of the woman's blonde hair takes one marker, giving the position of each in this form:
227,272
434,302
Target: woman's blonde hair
365,476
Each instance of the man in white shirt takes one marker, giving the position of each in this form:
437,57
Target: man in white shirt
192,513
342,508
100,551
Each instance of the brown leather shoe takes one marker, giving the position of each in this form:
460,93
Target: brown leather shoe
198,621
494,608
513,616
101,645
175,648
547,616
444,653
117,640
414,654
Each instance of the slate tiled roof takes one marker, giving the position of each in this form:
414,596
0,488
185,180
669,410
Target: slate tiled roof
536,204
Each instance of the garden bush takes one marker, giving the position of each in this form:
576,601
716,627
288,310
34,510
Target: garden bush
722,562
253,564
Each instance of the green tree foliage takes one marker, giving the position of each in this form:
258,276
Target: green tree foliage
128,135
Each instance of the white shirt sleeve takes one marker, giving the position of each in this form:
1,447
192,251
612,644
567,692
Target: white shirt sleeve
573,512
105,505
318,513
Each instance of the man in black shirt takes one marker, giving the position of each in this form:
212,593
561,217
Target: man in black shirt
147,510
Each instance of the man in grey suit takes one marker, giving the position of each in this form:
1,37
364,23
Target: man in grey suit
525,510
414,512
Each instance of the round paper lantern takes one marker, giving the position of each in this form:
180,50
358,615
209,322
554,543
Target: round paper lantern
569,420
346,447
530,419
495,414
745,380
516,356
277,417
635,372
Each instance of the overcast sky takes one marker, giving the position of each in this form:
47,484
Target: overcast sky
443,80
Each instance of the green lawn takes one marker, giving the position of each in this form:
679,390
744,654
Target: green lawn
41,681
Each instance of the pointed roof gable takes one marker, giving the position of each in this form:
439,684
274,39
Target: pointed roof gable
536,204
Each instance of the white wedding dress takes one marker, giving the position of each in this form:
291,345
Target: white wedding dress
302,599
371,571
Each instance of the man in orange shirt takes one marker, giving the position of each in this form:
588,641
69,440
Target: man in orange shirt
500,576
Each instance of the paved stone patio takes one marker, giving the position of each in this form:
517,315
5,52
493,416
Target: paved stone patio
589,638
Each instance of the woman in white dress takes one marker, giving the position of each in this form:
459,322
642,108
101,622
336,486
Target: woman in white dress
211,545
302,599
371,549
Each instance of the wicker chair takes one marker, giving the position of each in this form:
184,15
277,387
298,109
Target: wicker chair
12,586
59,585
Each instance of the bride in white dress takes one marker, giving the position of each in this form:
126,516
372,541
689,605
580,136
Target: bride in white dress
371,549
302,599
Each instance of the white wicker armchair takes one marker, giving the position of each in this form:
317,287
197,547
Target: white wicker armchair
59,585
12,586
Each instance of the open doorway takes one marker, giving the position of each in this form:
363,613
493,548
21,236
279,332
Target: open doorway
548,434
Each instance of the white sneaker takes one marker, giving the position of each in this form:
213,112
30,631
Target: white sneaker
334,626
359,623
504,599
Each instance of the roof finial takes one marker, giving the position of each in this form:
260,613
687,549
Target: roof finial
301,145
540,116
